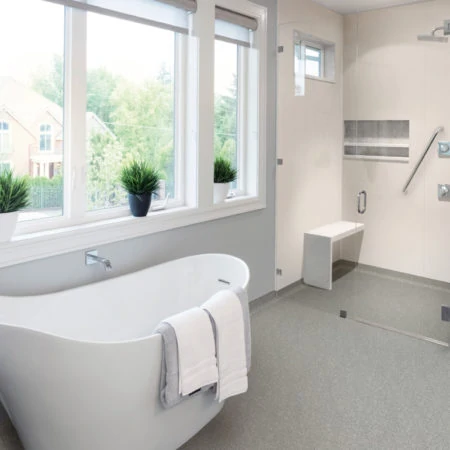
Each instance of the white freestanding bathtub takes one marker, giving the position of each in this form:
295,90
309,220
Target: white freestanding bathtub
80,369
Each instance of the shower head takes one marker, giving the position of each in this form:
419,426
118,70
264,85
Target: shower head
432,36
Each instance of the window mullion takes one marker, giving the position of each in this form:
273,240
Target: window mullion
75,114
180,116
243,124
203,29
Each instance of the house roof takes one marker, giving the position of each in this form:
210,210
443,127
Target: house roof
27,107
25,104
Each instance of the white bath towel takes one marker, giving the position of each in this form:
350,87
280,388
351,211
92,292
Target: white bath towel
196,349
226,311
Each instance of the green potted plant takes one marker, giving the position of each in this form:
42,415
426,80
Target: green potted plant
141,181
14,196
224,174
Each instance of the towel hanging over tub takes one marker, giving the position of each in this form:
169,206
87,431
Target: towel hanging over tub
226,312
169,381
197,364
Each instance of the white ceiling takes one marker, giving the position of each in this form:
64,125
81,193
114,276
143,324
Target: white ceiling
353,6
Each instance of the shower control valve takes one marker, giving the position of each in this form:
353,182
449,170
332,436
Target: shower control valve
443,191
447,27
444,149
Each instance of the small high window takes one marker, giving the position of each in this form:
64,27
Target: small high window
5,137
45,138
314,61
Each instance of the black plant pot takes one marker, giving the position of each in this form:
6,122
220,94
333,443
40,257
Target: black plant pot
139,204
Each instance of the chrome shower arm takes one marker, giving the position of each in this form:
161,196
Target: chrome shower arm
435,30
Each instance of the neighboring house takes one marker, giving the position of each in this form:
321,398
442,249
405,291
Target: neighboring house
31,130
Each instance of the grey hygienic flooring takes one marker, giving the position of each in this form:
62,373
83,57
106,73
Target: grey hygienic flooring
399,301
320,382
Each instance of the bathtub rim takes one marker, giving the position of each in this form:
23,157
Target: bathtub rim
113,342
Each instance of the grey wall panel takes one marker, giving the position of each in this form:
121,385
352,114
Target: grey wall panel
247,236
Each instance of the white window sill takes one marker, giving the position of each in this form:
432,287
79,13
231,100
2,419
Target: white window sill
323,79
43,244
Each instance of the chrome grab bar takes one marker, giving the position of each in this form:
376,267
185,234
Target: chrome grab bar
416,168
362,210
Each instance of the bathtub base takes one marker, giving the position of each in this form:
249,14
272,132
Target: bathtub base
93,397
170,436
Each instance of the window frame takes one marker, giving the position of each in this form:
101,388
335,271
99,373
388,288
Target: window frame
77,228
241,105
46,134
328,69
180,68
321,49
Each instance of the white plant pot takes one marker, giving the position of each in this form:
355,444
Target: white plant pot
221,191
8,222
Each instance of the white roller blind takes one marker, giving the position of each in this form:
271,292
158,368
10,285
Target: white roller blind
234,27
169,14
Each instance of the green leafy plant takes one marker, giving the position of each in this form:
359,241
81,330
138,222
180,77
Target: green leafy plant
224,172
139,177
14,192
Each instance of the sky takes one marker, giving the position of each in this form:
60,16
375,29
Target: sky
132,50
29,40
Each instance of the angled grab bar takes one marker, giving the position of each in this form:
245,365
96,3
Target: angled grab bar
416,167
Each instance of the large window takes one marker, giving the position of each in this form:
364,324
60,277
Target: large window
5,137
89,85
226,103
32,95
130,105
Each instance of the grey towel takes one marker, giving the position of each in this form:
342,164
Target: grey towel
169,366
169,381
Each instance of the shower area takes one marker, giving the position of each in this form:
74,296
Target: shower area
364,137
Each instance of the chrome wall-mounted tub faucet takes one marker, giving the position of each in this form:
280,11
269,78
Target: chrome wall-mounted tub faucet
91,257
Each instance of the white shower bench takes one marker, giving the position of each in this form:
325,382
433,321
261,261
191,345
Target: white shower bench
318,251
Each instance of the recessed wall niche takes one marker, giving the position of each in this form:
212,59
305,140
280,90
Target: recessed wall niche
379,140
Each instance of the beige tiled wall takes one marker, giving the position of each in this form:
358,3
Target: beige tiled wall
390,75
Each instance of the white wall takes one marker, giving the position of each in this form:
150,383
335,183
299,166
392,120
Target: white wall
389,75
310,138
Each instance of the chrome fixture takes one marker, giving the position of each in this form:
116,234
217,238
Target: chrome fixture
432,36
416,168
362,194
443,192
91,257
444,149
